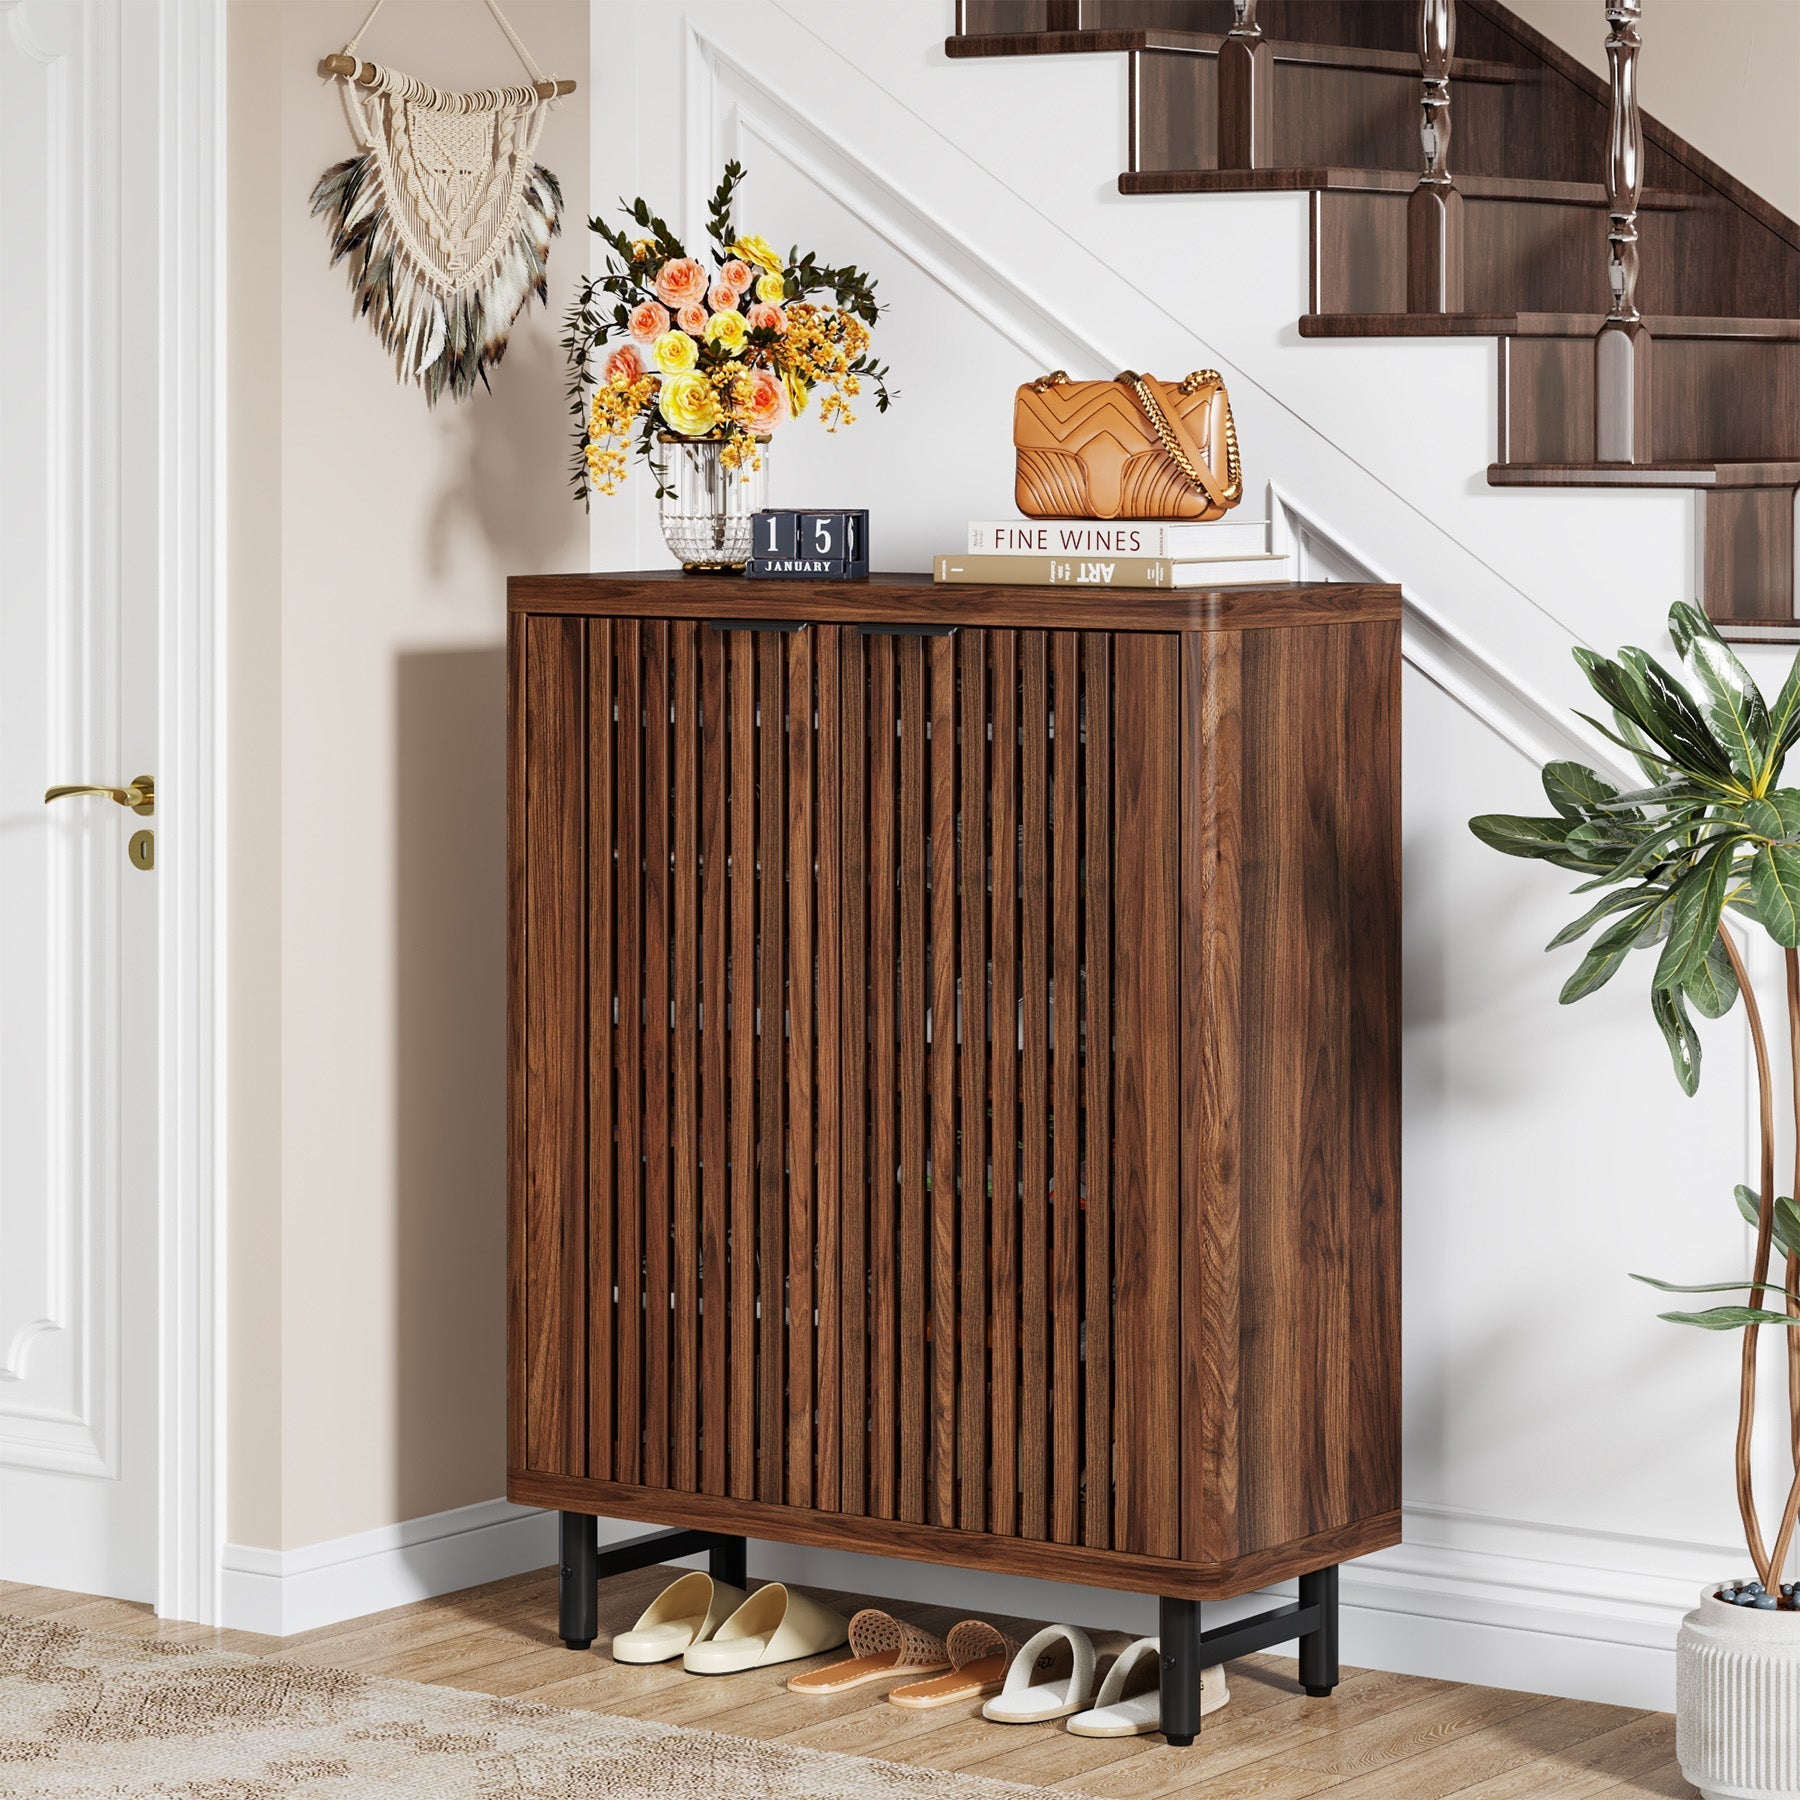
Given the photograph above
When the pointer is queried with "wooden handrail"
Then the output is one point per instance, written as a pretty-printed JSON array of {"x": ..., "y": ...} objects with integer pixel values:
[
  {"x": 1434, "y": 218},
  {"x": 1622, "y": 349},
  {"x": 1245, "y": 90}
]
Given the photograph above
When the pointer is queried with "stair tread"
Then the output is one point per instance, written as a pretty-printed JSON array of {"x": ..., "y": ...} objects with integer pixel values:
[
  {"x": 1393, "y": 181},
  {"x": 1537, "y": 324},
  {"x": 1206, "y": 43},
  {"x": 1721, "y": 474}
]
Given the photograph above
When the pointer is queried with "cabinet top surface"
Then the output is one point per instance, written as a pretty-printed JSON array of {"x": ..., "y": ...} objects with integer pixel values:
[{"x": 919, "y": 602}]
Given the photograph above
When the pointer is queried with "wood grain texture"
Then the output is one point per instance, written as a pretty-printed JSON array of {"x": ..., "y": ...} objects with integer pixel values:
[
  {"x": 972, "y": 1055},
  {"x": 828, "y": 1001},
  {"x": 800, "y": 1075},
  {"x": 628, "y": 1263},
  {"x": 715, "y": 1006},
  {"x": 1107, "y": 860},
  {"x": 652, "y": 1125},
  {"x": 518, "y": 1093},
  {"x": 601, "y": 1047},
  {"x": 771, "y": 1067},
  {"x": 684, "y": 1063},
  {"x": 743, "y": 1119},
  {"x": 852, "y": 1050},
  {"x": 896, "y": 1338},
  {"x": 941, "y": 1491}
]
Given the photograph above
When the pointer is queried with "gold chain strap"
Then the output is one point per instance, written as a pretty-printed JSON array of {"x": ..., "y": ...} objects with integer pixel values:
[{"x": 1159, "y": 423}]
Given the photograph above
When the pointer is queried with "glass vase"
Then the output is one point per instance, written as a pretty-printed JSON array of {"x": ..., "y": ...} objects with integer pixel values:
[{"x": 706, "y": 508}]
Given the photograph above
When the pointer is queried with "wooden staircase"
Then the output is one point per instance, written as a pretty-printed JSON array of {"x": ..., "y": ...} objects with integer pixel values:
[{"x": 1469, "y": 178}]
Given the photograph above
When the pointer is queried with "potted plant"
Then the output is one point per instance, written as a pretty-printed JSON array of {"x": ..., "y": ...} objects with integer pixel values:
[
  {"x": 708, "y": 360},
  {"x": 1711, "y": 835}
]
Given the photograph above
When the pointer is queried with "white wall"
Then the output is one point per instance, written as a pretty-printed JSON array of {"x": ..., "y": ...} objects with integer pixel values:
[{"x": 1568, "y": 1477}]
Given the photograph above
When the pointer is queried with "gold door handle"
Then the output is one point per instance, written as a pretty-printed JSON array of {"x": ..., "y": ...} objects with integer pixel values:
[{"x": 140, "y": 796}]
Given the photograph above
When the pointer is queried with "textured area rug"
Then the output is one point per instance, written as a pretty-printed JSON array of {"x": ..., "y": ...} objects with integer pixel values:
[{"x": 124, "y": 1719}]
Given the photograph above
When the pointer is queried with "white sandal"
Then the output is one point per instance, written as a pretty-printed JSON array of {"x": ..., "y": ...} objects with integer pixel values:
[
  {"x": 1130, "y": 1698},
  {"x": 775, "y": 1625},
  {"x": 1051, "y": 1677},
  {"x": 688, "y": 1611}
]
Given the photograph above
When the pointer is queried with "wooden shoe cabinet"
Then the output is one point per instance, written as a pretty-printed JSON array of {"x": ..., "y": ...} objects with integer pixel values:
[{"x": 954, "y": 1081}]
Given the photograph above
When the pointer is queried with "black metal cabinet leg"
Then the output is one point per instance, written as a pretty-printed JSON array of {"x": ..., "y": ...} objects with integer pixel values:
[
  {"x": 726, "y": 1561},
  {"x": 1319, "y": 1648},
  {"x": 1178, "y": 1632},
  {"x": 578, "y": 1592}
]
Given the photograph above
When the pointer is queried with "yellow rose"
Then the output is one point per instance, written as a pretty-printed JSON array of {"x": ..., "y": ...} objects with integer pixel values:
[
  {"x": 772, "y": 288},
  {"x": 673, "y": 352},
  {"x": 759, "y": 251},
  {"x": 796, "y": 392},
  {"x": 727, "y": 330},
  {"x": 689, "y": 404}
]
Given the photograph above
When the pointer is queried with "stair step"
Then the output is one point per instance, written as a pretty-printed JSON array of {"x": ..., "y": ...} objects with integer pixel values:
[
  {"x": 1537, "y": 324},
  {"x": 1206, "y": 43},
  {"x": 1646, "y": 475}
]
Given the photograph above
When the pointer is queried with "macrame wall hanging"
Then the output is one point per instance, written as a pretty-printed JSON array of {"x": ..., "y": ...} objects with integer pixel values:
[{"x": 444, "y": 214}]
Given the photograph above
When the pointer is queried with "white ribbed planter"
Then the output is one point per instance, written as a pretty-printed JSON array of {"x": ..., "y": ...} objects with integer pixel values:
[{"x": 1737, "y": 1701}]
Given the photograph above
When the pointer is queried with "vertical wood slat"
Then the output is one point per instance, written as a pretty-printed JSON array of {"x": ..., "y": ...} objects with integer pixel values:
[
  {"x": 1003, "y": 1054},
  {"x": 829, "y": 1122},
  {"x": 972, "y": 849},
  {"x": 1143, "y": 1316},
  {"x": 800, "y": 1172},
  {"x": 742, "y": 1116},
  {"x": 684, "y": 998},
  {"x": 628, "y": 1184},
  {"x": 771, "y": 1143},
  {"x": 888, "y": 1352},
  {"x": 941, "y": 1497},
  {"x": 518, "y": 1090},
  {"x": 1097, "y": 902},
  {"x": 555, "y": 846},
  {"x": 656, "y": 928},
  {"x": 1034, "y": 1087},
  {"x": 601, "y": 1050},
  {"x": 853, "y": 1195},
  {"x": 914, "y": 1120},
  {"x": 715, "y": 1216},
  {"x": 1065, "y": 1072}
]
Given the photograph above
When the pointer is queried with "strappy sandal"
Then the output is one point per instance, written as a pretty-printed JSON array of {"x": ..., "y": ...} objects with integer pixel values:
[
  {"x": 979, "y": 1656},
  {"x": 880, "y": 1646},
  {"x": 1129, "y": 1703},
  {"x": 688, "y": 1611},
  {"x": 1051, "y": 1677},
  {"x": 775, "y": 1625}
]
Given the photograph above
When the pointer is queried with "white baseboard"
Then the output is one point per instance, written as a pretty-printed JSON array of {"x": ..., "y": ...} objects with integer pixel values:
[{"x": 1584, "y": 1615}]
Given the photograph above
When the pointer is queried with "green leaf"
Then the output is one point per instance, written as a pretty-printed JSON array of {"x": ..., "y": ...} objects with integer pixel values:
[
  {"x": 1639, "y": 746},
  {"x": 1575, "y": 790},
  {"x": 1785, "y": 1235},
  {"x": 1675, "y": 721},
  {"x": 1784, "y": 722},
  {"x": 1775, "y": 883},
  {"x": 1513, "y": 835},
  {"x": 1713, "y": 987},
  {"x": 1715, "y": 1287},
  {"x": 1699, "y": 898},
  {"x": 1683, "y": 1040},
  {"x": 1728, "y": 1318},
  {"x": 1602, "y": 961},
  {"x": 1602, "y": 908},
  {"x": 1734, "y": 704},
  {"x": 1776, "y": 815}
]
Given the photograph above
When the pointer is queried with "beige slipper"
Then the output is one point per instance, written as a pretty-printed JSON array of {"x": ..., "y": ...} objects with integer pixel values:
[
  {"x": 1129, "y": 1703},
  {"x": 686, "y": 1612},
  {"x": 979, "y": 1656},
  {"x": 775, "y": 1625},
  {"x": 880, "y": 1646}
]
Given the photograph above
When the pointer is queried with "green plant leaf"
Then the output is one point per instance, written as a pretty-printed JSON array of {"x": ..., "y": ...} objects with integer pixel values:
[
  {"x": 1784, "y": 721},
  {"x": 1735, "y": 707},
  {"x": 1602, "y": 908},
  {"x": 1514, "y": 835},
  {"x": 1634, "y": 740},
  {"x": 1575, "y": 790},
  {"x": 1728, "y": 1318},
  {"x": 1675, "y": 720},
  {"x": 1785, "y": 1235},
  {"x": 1678, "y": 1031},
  {"x": 1775, "y": 883},
  {"x": 1606, "y": 953},
  {"x": 1776, "y": 815},
  {"x": 1713, "y": 986},
  {"x": 1699, "y": 898},
  {"x": 1716, "y": 1287}
]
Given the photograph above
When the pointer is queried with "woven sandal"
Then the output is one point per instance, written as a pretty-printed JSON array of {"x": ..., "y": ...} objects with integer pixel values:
[
  {"x": 1051, "y": 1677},
  {"x": 880, "y": 1646},
  {"x": 979, "y": 1656}
]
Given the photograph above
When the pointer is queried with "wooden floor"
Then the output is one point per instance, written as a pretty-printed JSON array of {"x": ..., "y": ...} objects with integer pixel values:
[{"x": 1380, "y": 1737}]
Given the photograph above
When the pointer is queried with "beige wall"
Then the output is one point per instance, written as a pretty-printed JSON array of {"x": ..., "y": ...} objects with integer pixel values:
[
  {"x": 1725, "y": 74},
  {"x": 370, "y": 542}
]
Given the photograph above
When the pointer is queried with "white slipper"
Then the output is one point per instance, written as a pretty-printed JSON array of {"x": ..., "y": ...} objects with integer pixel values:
[
  {"x": 686, "y": 1612},
  {"x": 775, "y": 1625},
  {"x": 1051, "y": 1677},
  {"x": 1129, "y": 1703}
]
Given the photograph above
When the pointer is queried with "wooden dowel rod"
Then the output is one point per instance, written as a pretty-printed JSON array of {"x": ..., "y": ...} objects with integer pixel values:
[{"x": 364, "y": 75}]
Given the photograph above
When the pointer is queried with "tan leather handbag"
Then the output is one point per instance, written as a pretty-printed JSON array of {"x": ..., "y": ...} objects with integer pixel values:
[{"x": 1131, "y": 448}]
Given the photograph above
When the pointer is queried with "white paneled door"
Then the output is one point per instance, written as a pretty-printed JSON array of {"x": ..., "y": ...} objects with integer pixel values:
[{"x": 78, "y": 928}]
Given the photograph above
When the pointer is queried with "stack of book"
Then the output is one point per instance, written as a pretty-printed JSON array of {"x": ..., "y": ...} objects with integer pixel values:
[{"x": 1145, "y": 553}]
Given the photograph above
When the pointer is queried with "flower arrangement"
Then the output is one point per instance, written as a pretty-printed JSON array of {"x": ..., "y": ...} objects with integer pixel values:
[{"x": 729, "y": 352}]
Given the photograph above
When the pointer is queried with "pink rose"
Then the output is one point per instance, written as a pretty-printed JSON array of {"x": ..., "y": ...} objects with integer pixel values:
[
  {"x": 692, "y": 319},
  {"x": 765, "y": 317},
  {"x": 648, "y": 321},
  {"x": 722, "y": 298},
  {"x": 768, "y": 402},
  {"x": 623, "y": 364},
  {"x": 737, "y": 275},
  {"x": 681, "y": 282}
]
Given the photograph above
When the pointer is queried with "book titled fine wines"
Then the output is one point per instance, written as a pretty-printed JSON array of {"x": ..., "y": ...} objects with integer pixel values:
[
  {"x": 1118, "y": 537},
  {"x": 1112, "y": 571}
]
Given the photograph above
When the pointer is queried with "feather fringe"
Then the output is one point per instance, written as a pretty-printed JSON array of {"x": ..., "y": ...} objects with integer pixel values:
[{"x": 444, "y": 342}]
